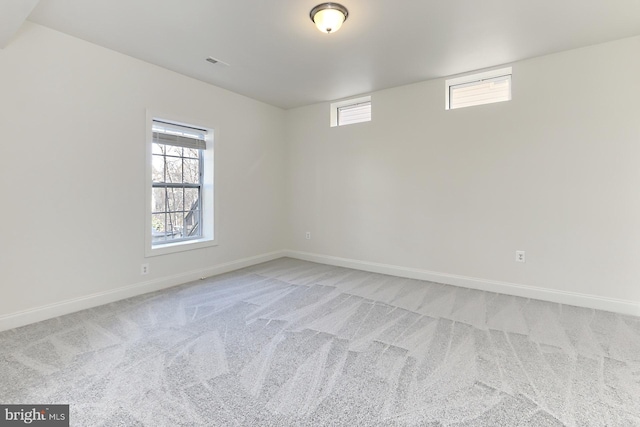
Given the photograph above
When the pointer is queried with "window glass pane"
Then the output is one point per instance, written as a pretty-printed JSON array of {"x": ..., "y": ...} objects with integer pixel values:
[
  {"x": 484, "y": 87},
  {"x": 481, "y": 92},
  {"x": 175, "y": 199},
  {"x": 172, "y": 150},
  {"x": 191, "y": 171},
  {"x": 192, "y": 153},
  {"x": 174, "y": 225},
  {"x": 158, "y": 227},
  {"x": 192, "y": 223},
  {"x": 157, "y": 148},
  {"x": 191, "y": 198},
  {"x": 157, "y": 169},
  {"x": 357, "y": 113},
  {"x": 174, "y": 170},
  {"x": 158, "y": 200}
]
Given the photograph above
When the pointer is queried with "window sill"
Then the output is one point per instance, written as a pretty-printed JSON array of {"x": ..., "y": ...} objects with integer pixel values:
[{"x": 169, "y": 248}]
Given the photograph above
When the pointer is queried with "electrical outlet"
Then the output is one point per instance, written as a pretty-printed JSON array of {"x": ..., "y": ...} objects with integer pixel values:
[
  {"x": 144, "y": 269},
  {"x": 520, "y": 256},
  {"x": 308, "y": 235}
]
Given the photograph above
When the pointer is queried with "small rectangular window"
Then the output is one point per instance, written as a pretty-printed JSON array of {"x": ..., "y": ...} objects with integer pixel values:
[
  {"x": 479, "y": 88},
  {"x": 351, "y": 111},
  {"x": 355, "y": 113}
]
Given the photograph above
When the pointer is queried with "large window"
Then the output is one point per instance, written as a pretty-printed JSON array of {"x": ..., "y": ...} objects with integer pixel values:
[
  {"x": 177, "y": 182},
  {"x": 181, "y": 187}
]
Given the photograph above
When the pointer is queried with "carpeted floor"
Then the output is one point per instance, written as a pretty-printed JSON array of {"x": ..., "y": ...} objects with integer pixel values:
[{"x": 293, "y": 343}]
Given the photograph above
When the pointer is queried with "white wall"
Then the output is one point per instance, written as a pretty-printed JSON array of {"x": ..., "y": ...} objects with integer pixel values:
[
  {"x": 72, "y": 129},
  {"x": 554, "y": 172}
]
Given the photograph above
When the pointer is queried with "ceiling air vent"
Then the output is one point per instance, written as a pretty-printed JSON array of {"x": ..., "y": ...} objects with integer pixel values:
[{"x": 216, "y": 61}]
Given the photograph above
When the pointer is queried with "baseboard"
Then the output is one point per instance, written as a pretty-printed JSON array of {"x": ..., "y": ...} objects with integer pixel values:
[
  {"x": 545, "y": 294},
  {"x": 37, "y": 314}
]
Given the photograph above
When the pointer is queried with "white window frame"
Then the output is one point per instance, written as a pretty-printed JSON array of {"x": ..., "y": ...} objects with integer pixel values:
[
  {"x": 335, "y": 106},
  {"x": 209, "y": 214},
  {"x": 476, "y": 77}
]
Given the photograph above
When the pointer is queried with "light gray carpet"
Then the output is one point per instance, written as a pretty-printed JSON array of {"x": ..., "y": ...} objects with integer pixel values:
[{"x": 302, "y": 344}]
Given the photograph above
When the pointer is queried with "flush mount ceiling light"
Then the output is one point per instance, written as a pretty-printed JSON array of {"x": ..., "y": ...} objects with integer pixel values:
[{"x": 329, "y": 17}]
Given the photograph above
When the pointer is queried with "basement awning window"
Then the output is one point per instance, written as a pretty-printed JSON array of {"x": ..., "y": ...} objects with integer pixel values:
[
  {"x": 478, "y": 89},
  {"x": 351, "y": 111}
]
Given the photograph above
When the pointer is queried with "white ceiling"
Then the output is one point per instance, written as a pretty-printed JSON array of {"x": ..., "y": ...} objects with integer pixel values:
[
  {"x": 276, "y": 54},
  {"x": 12, "y": 15}
]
